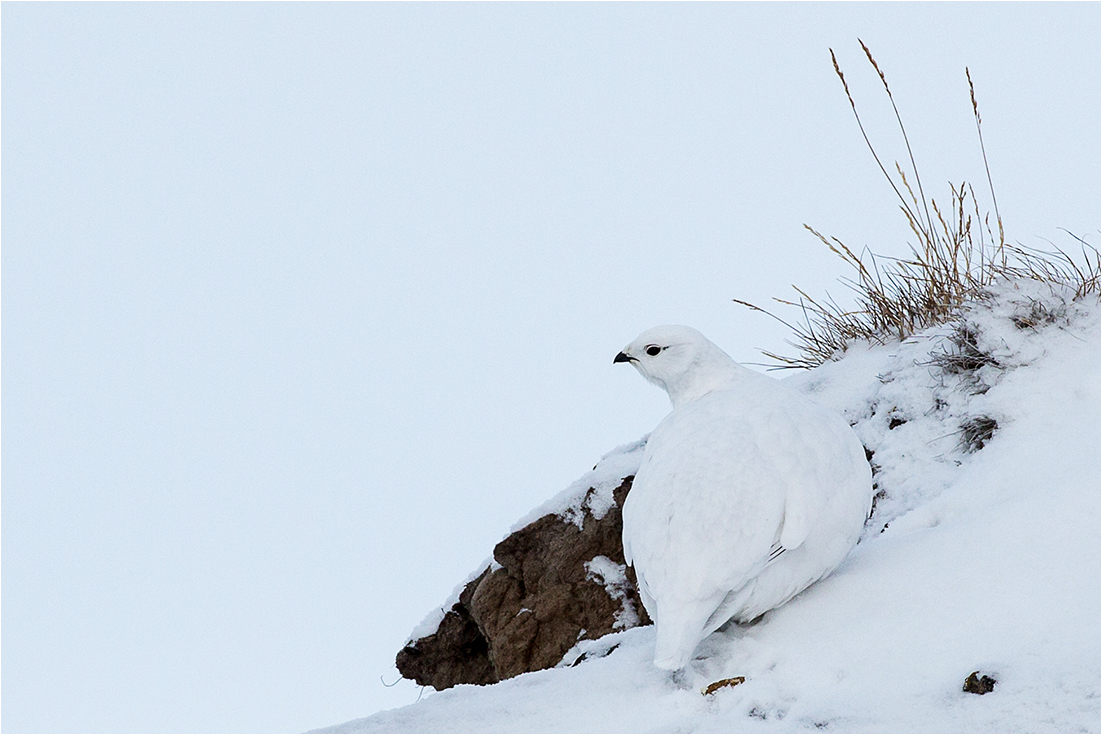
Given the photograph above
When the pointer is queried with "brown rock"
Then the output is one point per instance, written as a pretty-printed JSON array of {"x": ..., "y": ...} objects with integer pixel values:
[{"x": 527, "y": 613}]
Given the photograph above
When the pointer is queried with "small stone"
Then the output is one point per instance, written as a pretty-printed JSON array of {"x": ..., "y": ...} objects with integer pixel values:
[
  {"x": 716, "y": 686},
  {"x": 976, "y": 684}
]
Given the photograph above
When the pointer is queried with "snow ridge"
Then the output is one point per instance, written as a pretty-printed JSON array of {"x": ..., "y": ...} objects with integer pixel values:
[{"x": 593, "y": 490}]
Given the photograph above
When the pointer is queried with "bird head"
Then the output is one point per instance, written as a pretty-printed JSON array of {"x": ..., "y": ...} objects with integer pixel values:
[{"x": 681, "y": 361}]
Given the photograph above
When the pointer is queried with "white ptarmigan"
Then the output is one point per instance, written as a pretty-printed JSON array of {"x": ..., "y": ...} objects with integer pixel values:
[{"x": 747, "y": 492}]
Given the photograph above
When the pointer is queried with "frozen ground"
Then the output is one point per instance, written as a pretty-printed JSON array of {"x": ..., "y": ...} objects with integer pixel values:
[{"x": 975, "y": 558}]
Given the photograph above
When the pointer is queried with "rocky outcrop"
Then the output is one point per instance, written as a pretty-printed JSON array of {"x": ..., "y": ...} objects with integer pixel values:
[
  {"x": 557, "y": 580},
  {"x": 457, "y": 653}
]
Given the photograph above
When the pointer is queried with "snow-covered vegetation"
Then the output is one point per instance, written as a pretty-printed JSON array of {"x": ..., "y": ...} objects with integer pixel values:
[{"x": 982, "y": 554}]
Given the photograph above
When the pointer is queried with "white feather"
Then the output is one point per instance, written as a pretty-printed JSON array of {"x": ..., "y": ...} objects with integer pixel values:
[{"x": 747, "y": 493}]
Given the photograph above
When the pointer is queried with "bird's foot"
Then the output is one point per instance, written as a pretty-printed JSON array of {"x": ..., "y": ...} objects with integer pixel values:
[{"x": 681, "y": 678}]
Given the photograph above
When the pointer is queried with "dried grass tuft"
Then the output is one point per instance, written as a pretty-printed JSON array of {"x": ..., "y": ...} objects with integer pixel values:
[
  {"x": 965, "y": 356},
  {"x": 956, "y": 257},
  {"x": 1040, "y": 314},
  {"x": 975, "y": 433}
]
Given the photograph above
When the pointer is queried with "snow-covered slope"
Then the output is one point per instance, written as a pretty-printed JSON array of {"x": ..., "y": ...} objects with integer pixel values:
[{"x": 976, "y": 558}]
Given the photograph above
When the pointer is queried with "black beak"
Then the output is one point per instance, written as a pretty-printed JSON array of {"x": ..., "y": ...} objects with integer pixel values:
[{"x": 621, "y": 357}]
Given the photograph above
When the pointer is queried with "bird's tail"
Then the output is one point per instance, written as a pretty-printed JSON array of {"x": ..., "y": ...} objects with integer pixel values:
[{"x": 679, "y": 628}]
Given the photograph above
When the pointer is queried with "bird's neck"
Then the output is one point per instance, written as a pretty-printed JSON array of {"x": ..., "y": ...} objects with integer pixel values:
[{"x": 713, "y": 371}]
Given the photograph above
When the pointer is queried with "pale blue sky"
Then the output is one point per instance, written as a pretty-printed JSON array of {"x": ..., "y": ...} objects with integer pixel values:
[{"x": 305, "y": 304}]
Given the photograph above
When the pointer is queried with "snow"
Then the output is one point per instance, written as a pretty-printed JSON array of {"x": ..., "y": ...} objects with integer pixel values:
[
  {"x": 613, "y": 577},
  {"x": 432, "y": 621},
  {"x": 593, "y": 490},
  {"x": 982, "y": 560}
]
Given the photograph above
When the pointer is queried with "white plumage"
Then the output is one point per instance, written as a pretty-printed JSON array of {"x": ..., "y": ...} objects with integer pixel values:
[{"x": 747, "y": 492}]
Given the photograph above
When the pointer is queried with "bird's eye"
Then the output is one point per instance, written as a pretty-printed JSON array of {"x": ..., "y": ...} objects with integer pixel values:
[{"x": 653, "y": 350}]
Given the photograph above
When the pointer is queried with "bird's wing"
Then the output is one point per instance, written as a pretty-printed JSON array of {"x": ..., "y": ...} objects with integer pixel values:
[
  {"x": 817, "y": 472},
  {"x": 703, "y": 512},
  {"x": 727, "y": 483}
]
